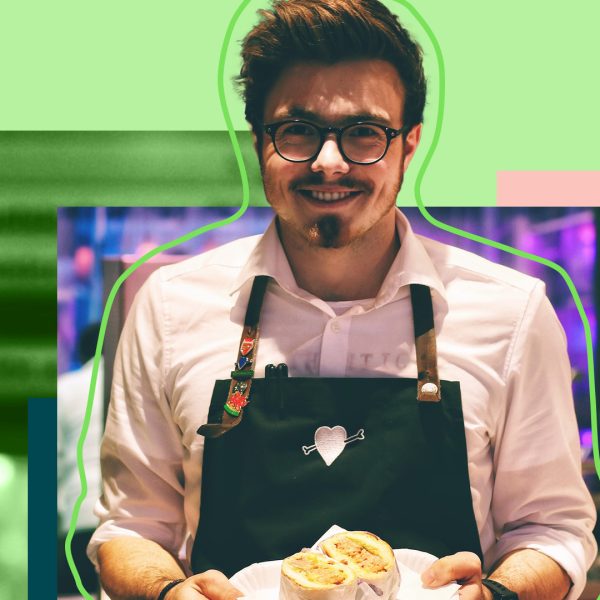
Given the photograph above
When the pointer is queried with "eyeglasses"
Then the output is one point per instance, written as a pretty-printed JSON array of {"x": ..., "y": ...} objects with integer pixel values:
[{"x": 361, "y": 143}]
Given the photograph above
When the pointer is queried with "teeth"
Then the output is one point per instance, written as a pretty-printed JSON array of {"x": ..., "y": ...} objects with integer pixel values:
[{"x": 329, "y": 195}]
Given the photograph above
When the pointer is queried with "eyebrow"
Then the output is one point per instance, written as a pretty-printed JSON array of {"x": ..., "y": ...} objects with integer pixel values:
[{"x": 297, "y": 112}]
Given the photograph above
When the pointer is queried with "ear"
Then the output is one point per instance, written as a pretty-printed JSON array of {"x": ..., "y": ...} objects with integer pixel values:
[{"x": 411, "y": 143}]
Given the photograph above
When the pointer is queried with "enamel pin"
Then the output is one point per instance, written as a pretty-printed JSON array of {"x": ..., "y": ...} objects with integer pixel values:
[
  {"x": 235, "y": 403},
  {"x": 246, "y": 346},
  {"x": 242, "y": 362},
  {"x": 240, "y": 386}
]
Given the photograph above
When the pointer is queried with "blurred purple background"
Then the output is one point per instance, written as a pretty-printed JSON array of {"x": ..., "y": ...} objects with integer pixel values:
[{"x": 564, "y": 235}]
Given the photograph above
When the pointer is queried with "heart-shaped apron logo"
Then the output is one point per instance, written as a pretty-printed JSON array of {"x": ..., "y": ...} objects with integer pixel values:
[{"x": 331, "y": 441}]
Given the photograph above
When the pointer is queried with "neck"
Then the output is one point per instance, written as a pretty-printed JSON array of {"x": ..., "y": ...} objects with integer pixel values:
[{"x": 352, "y": 272}]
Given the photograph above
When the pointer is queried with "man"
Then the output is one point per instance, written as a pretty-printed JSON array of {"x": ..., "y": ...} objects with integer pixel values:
[{"x": 467, "y": 449}]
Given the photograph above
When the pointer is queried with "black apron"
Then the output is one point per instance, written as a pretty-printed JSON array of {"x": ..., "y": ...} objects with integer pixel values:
[{"x": 384, "y": 455}]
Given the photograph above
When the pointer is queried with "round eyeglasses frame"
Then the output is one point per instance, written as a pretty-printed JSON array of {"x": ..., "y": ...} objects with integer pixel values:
[{"x": 390, "y": 134}]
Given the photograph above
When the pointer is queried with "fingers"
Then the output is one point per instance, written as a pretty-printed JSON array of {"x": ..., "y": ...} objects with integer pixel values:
[
  {"x": 215, "y": 586},
  {"x": 463, "y": 567}
]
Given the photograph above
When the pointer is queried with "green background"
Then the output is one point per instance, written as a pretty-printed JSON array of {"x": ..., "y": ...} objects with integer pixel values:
[
  {"x": 522, "y": 93},
  {"x": 522, "y": 85}
]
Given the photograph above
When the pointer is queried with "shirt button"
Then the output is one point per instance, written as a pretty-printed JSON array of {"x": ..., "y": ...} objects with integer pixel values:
[{"x": 335, "y": 326}]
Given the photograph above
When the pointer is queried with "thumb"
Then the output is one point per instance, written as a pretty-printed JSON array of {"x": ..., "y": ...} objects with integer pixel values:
[
  {"x": 463, "y": 567},
  {"x": 215, "y": 586}
]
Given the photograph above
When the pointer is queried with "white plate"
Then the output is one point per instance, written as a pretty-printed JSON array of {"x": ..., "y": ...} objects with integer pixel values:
[{"x": 260, "y": 581}]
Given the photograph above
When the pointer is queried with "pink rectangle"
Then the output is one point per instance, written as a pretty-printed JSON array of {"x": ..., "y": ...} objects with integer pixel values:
[{"x": 548, "y": 188}]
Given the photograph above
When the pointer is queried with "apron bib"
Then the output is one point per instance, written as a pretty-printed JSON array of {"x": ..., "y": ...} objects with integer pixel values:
[{"x": 385, "y": 455}]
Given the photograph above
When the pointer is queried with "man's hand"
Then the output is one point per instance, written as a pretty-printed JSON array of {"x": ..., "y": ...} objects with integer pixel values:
[
  {"x": 212, "y": 585},
  {"x": 138, "y": 569},
  {"x": 529, "y": 573},
  {"x": 462, "y": 567}
]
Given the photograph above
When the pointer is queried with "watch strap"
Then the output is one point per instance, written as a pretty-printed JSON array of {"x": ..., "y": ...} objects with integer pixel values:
[{"x": 498, "y": 590}]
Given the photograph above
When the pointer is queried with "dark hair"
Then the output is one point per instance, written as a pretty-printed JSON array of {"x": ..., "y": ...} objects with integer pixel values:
[{"x": 327, "y": 31}]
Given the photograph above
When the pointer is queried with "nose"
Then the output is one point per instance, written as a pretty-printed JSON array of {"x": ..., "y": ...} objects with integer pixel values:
[{"x": 330, "y": 161}]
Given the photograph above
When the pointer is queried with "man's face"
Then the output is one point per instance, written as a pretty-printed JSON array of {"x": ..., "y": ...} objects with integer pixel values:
[{"x": 329, "y": 201}]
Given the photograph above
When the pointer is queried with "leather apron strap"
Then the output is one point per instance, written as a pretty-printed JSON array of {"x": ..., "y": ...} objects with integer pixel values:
[
  {"x": 241, "y": 376},
  {"x": 428, "y": 385}
]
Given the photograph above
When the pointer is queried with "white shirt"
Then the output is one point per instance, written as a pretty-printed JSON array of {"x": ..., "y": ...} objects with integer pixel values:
[{"x": 496, "y": 333}]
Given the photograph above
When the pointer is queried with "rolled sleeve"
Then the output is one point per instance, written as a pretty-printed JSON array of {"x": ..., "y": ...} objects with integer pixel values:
[
  {"x": 141, "y": 451},
  {"x": 540, "y": 500}
]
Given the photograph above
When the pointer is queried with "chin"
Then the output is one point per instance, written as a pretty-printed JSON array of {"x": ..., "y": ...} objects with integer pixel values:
[{"x": 329, "y": 232}]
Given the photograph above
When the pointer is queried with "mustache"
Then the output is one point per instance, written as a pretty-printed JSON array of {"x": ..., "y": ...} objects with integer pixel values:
[{"x": 318, "y": 179}]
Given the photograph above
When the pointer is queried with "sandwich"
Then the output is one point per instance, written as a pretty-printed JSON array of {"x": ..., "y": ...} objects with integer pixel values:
[
  {"x": 370, "y": 558},
  {"x": 315, "y": 576}
]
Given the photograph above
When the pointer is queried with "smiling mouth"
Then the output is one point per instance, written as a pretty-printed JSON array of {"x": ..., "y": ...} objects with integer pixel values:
[{"x": 328, "y": 196}]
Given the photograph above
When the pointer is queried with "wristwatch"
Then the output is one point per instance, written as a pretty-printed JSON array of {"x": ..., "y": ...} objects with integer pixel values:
[{"x": 499, "y": 592}]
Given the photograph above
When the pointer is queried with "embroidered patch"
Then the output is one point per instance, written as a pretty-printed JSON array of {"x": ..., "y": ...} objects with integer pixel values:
[{"x": 331, "y": 441}]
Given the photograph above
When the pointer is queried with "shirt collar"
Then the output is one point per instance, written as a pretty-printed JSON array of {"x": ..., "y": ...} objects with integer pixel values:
[
  {"x": 411, "y": 265},
  {"x": 268, "y": 258}
]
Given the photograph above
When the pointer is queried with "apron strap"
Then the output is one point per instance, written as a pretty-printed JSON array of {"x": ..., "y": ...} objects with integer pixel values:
[
  {"x": 428, "y": 384},
  {"x": 241, "y": 376}
]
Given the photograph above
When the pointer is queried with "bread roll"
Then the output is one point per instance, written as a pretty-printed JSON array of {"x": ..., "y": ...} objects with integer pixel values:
[
  {"x": 314, "y": 576},
  {"x": 371, "y": 559}
]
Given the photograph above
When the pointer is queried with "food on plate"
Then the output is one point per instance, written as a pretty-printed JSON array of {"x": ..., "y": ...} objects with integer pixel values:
[
  {"x": 315, "y": 576},
  {"x": 371, "y": 559}
]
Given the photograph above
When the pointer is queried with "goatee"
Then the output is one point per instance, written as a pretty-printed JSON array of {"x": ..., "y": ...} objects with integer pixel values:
[{"x": 325, "y": 232}]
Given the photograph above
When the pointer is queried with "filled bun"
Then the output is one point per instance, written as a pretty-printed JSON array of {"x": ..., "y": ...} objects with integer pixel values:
[
  {"x": 315, "y": 576},
  {"x": 371, "y": 559}
]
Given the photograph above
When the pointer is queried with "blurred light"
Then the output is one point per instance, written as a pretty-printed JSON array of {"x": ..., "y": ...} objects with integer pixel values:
[
  {"x": 144, "y": 248},
  {"x": 585, "y": 437},
  {"x": 587, "y": 233},
  {"x": 530, "y": 243},
  {"x": 83, "y": 261},
  {"x": 7, "y": 471}
]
